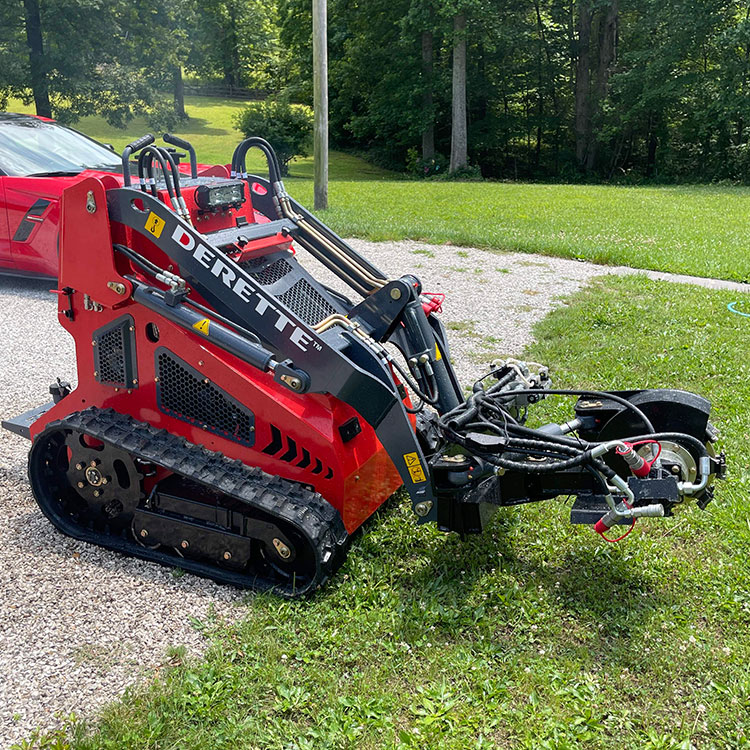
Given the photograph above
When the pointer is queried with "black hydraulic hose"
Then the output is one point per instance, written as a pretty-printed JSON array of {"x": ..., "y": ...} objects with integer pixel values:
[
  {"x": 131, "y": 148},
  {"x": 238, "y": 158},
  {"x": 173, "y": 168},
  {"x": 147, "y": 182},
  {"x": 173, "y": 140},
  {"x": 597, "y": 394},
  {"x": 149, "y": 154},
  {"x": 562, "y": 439},
  {"x": 410, "y": 382},
  {"x": 144, "y": 263},
  {"x": 528, "y": 468}
]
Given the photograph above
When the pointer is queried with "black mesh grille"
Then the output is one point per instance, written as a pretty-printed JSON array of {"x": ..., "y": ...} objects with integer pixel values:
[
  {"x": 306, "y": 302},
  {"x": 268, "y": 275},
  {"x": 184, "y": 394},
  {"x": 112, "y": 357},
  {"x": 114, "y": 354}
]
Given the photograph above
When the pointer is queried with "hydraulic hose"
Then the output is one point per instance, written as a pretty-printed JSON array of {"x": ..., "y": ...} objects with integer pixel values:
[
  {"x": 355, "y": 274},
  {"x": 130, "y": 149},
  {"x": 145, "y": 162},
  {"x": 597, "y": 394},
  {"x": 238, "y": 158},
  {"x": 181, "y": 206}
]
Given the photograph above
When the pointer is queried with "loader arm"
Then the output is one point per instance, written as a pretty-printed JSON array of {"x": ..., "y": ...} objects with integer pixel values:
[{"x": 334, "y": 362}]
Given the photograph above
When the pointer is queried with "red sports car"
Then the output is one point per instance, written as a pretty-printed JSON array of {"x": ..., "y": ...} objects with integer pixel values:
[{"x": 39, "y": 158}]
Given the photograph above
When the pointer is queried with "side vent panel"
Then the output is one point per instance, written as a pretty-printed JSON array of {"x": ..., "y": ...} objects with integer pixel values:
[
  {"x": 184, "y": 393},
  {"x": 286, "y": 449},
  {"x": 115, "y": 355}
]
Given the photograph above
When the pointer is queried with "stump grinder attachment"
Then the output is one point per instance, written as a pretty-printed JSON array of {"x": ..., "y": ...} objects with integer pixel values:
[{"x": 237, "y": 418}]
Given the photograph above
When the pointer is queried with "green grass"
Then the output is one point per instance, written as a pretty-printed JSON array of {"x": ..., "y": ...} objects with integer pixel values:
[
  {"x": 534, "y": 635},
  {"x": 696, "y": 230}
]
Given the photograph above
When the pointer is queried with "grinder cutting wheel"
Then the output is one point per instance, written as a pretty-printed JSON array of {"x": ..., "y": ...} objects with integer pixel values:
[{"x": 239, "y": 419}]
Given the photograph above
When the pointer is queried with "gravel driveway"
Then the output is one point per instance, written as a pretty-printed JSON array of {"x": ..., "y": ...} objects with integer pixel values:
[{"x": 77, "y": 625}]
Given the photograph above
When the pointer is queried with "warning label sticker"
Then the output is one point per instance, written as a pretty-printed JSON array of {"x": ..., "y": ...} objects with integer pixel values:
[
  {"x": 415, "y": 467},
  {"x": 154, "y": 225},
  {"x": 202, "y": 326}
]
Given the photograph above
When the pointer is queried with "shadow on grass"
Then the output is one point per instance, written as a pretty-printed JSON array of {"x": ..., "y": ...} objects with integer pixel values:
[
  {"x": 199, "y": 126},
  {"x": 590, "y": 598}
]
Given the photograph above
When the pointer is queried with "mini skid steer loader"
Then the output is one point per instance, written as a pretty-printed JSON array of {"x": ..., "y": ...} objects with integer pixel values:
[{"x": 239, "y": 419}]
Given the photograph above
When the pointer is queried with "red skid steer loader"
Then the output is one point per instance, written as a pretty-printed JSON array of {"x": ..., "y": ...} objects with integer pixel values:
[{"x": 238, "y": 418}]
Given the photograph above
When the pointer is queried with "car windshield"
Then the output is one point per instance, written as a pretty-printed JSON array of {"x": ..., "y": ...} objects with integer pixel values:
[{"x": 31, "y": 146}]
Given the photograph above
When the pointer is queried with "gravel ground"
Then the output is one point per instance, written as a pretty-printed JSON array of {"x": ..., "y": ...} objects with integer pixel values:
[{"x": 77, "y": 625}]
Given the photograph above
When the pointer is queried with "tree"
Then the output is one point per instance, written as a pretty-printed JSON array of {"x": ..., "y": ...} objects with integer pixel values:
[
  {"x": 459, "y": 146},
  {"x": 37, "y": 67},
  {"x": 428, "y": 122},
  {"x": 109, "y": 57}
]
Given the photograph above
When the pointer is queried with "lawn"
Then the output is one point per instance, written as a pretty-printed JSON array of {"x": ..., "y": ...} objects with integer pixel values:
[
  {"x": 535, "y": 635},
  {"x": 695, "y": 230}
]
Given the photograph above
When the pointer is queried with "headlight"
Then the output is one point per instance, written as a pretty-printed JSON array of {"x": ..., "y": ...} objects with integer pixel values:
[{"x": 220, "y": 196}]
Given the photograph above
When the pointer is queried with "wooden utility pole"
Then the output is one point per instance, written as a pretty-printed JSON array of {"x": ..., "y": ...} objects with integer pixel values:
[{"x": 320, "y": 102}]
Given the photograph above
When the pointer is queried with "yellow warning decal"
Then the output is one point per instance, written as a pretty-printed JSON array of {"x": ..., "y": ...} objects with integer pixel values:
[
  {"x": 202, "y": 326},
  {"x": 154, "y": 225},
  {"x": 415, "y": 468},
  {"x": 438, "y": 353}
]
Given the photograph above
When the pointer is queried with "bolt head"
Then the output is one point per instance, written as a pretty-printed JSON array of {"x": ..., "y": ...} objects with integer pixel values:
[
  {"x": 81, "y": 485},
  {"x": 184, "y": 544},
  {"x": 395, "y": 293},
  {"x": 144, "y": 533},
  {"x": 227, "y": 555},
  {"x": 80, "y": 466},
  {"x": 423, "y": 508}
]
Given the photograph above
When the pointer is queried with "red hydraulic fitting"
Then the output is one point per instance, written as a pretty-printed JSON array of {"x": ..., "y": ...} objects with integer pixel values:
[
  {"x": 606, "y": 522},
  {"x": 638, "y": 465},
  {"x": 432, "y": 302}
]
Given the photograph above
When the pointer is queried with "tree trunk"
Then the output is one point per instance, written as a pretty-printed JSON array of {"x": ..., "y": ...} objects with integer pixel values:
[
  {"x": 459, "y": 148},
  {"x": 583, "y": 83},
  {"x": 428, "y": 116},
  {"x": 179, "y": 93},
  {"x": 35, "y": 44},
  {"x": 653, "y": 142},
  {"x": 607, "y": 56}
]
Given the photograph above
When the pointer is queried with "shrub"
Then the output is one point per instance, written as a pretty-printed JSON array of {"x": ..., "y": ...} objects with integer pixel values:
[
  {"x": 420, "y": 167},
  {"x": 469, "y": 173},
  {"x": 287, "y": 127}
]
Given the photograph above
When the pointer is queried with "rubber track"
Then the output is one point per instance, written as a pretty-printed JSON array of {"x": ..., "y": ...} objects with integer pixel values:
[{"x": 314, "y": 518}]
